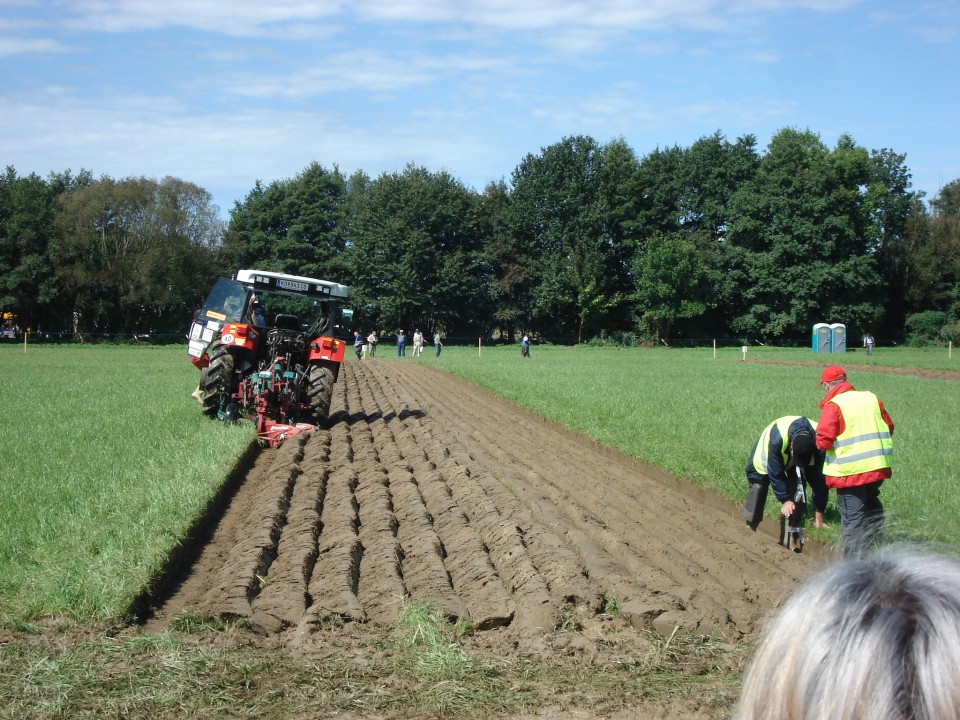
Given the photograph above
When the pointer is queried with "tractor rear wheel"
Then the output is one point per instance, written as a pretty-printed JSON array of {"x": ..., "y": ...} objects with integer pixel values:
[
  {"x": 216, "y": 380},
  {"x": 319, "y": 390}
]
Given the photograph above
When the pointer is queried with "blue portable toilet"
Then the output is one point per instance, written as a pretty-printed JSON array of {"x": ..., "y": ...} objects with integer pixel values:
[
  {"x": 821, "y": 338},
  {"x": 838, "y": 338}
]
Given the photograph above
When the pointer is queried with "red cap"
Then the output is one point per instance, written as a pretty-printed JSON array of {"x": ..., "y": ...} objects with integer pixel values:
[{"x": 831, "y": 373}]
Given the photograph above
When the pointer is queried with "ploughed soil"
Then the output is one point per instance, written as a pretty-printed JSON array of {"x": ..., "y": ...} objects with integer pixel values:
[
  {"x": 423, "y": 487},
  {"x": 882, "y": 369}
]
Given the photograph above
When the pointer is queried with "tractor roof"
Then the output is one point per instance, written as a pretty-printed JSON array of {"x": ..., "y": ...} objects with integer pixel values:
[{"x": 292, "y": 285}]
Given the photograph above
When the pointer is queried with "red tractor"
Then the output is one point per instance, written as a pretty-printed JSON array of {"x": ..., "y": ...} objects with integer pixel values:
[{"x": 266, "y": 346}]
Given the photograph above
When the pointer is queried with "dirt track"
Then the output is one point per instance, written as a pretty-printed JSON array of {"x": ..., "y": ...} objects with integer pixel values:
[{"x": 427, "y": 488}]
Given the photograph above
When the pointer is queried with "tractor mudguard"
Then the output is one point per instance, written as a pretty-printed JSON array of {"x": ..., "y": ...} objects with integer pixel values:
[{"x": 327, "y": 348}]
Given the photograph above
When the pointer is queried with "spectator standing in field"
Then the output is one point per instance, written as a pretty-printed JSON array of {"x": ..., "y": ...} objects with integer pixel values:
[
  {"x": 401, "y": 344},
  {"x": 783, "y": 445},
  {"x": 868, "y": 343},
  {"x": 358, "y": 344},
  {"x": 856, "y": 432},
  {"x": 372, "y": 341},
  {"x": 867, "y": 639},
  {"x": 417, "y": 342},
  {"x": 525, "y": 347},
  {"x": 437, "y": 343}
]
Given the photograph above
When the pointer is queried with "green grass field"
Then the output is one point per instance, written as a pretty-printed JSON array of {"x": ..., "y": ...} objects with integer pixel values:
[{"x": 106, "y": 460}]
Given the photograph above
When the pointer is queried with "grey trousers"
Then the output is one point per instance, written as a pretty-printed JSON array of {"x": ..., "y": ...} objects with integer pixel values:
[{"x": 861, "y": 517}]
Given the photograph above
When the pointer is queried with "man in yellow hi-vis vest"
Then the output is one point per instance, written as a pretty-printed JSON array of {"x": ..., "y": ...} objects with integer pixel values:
[
  {"x": 783, "y": 445},
  {"x": 856, "y": 432}
]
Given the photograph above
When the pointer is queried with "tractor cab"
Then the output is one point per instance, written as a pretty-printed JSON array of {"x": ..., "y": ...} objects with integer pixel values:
[{"x": 225, "y": 304}]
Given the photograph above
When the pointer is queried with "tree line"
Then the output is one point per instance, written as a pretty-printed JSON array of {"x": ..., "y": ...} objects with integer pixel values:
[{"x": 586, "y": 241}]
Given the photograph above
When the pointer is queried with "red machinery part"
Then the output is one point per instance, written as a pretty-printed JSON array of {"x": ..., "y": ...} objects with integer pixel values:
[
  {"x": 327, "y": 348},
  {"x": 275, "y": 433}
]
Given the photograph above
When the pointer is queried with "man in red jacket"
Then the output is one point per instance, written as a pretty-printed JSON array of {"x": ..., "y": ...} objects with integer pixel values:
[{"x": 856, "y": 432}]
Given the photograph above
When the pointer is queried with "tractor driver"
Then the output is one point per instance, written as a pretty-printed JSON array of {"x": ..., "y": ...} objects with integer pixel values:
[
  {"x": 257, "y": 315},
  {"x": 785, "y": 444}
]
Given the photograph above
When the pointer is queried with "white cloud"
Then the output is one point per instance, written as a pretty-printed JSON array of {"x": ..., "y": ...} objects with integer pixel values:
[
  {"x": 366, "y": 71},
  {"x": 10, "y": 46},
  {"x": 123, "y": 136},
  {"x": 256, "y": 17},
  {"x": 227, "y": 17},
  {"x": 617, "y": 15},
  {"x": 544, "y": 14},
  {"x": 933, "y": 22},
  {"x": 764, "y": 57},
  {"x": 630, "y": 111}
]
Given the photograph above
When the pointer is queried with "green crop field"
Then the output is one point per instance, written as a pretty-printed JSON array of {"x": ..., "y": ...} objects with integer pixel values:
[{"x": 106, "y": 460}]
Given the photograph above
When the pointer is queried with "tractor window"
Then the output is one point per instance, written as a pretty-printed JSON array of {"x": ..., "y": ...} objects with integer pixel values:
[
  {"x": 225, "y": 302},
  {"x": 275, "y": 305},
  {"x": 343, "y": 322},
  {"x": 313, "y": 315},
  {"x": 321, "y": 317}
]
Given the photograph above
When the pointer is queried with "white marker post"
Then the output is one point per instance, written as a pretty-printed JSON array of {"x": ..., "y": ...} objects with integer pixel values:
[{"x": 744, "y": 351}]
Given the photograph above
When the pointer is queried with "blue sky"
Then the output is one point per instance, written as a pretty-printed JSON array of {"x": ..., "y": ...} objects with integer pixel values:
[{"x": 225, "y": 92}]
